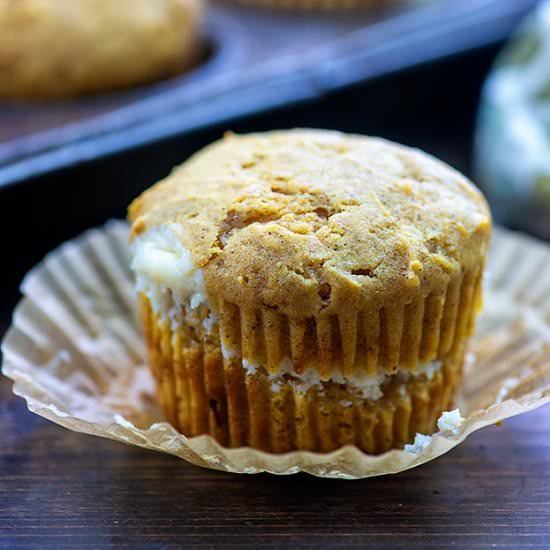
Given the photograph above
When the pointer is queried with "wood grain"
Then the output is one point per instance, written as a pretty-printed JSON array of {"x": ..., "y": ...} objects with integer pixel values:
[{"x": 61, "y": 489}]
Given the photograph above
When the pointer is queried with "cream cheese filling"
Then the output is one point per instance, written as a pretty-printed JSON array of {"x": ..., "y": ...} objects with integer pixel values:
[
  {"x": 367, "y": 386},
  {"x": 165, "y": 273},
  {"x": 449, "y": 423}
]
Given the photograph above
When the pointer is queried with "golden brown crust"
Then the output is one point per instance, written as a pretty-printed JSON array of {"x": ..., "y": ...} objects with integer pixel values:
[
  {"x": 60, "y": 48},
  {"x": 202, "y": 392},
  {"x": 315, "y": 223}
]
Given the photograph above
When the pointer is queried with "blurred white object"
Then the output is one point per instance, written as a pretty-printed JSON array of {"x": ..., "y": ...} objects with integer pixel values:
[{"x": 512, "y": 149}]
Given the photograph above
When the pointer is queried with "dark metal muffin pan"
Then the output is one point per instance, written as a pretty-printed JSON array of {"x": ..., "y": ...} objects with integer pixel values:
[{"x": 256, "y": 60}]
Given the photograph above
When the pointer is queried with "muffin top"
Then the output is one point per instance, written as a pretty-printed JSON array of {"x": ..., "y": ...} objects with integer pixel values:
[
  {"x": 310, "y": 221},
  {"x": 63, "y": 48}
]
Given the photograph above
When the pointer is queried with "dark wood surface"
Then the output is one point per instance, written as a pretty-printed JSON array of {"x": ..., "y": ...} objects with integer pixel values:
[{"x": 60, "y": 489}]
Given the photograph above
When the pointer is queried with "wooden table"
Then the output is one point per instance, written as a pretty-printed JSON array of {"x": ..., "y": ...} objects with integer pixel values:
[{"x": 61, "y": 489}]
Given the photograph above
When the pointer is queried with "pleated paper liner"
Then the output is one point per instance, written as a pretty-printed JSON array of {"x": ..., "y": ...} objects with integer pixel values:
[
  {"x": 76, "y": 355},
  {"x": 369, "y": 340},
  {"x": 362, "y": 338},
  {"x": 202, "y": 392}
]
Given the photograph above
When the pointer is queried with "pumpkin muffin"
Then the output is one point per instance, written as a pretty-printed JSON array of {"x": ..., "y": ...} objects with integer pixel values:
[
  {"x": 308, "y": 289},
  {"x": 63, "y": 48}
]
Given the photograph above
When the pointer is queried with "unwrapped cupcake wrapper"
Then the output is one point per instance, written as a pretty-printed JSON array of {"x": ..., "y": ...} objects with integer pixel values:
[{"x": 76, "y": 355}]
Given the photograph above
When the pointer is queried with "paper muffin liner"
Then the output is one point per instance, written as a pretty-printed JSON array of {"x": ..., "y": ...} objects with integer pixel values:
[
  {"x": 75, "y": 354},
  {"x": 430, "y": 327},
  {"x": 202, "y": 391}
]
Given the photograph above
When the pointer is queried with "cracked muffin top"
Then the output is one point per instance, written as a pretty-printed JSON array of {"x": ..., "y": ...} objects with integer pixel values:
[{"x": 310, "y": 221}]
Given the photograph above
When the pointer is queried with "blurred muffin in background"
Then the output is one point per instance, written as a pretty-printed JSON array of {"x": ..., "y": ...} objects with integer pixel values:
[{"x": 64, "y": 48}]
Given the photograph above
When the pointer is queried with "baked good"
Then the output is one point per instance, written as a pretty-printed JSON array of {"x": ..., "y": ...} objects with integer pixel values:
[
  {"x": 63, "y": 48},
  {"x": 308, "y": 289}
]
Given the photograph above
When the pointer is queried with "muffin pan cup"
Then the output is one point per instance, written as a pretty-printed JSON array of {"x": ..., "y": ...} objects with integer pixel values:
[{"x": 253, "y": 60}]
